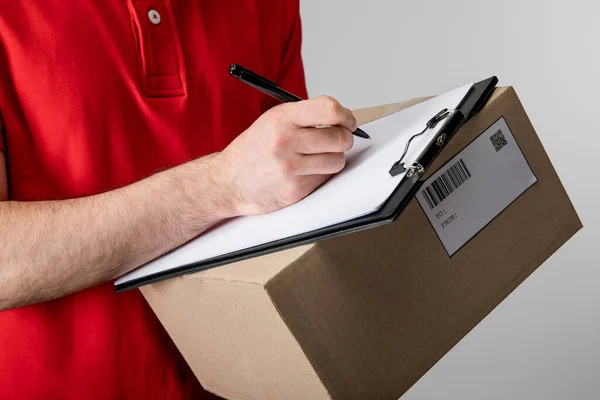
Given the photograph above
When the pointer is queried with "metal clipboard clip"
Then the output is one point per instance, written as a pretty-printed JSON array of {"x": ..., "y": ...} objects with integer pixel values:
[{"x": 399, "y": 166}]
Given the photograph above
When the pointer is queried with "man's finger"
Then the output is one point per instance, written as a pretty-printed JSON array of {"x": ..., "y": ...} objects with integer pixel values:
[
  {"x": 320, "y": 111},
  {"x": 335, "y": 139}
]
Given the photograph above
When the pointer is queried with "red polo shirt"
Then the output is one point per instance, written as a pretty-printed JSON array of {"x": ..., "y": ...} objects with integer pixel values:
[{"x": 96, "y": 95}]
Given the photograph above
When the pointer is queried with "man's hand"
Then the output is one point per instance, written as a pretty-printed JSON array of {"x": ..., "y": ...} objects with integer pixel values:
[{"x": 283, "y": 157}]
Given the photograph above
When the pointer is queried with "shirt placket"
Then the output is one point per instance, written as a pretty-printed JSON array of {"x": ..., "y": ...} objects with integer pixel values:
[{"x": 159, "y": 48}]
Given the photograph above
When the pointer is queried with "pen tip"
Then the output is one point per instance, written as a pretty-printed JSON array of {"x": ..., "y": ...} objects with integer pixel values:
[{"x": 359, "y": 132}]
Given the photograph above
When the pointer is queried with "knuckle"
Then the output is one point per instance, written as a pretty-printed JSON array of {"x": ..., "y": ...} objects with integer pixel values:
[
  {"x": 326, "y": 100},
  {"x": 288, "y": 166},
  {"x": 334, "y": 109},
  {"x": 279, "y": 142}
]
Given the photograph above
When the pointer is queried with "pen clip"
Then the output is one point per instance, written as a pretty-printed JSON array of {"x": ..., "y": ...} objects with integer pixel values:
[{"x": 399, "y": 166}]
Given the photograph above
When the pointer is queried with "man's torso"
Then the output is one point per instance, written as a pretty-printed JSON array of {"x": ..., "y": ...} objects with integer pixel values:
[{"x": 96, "y": 95}]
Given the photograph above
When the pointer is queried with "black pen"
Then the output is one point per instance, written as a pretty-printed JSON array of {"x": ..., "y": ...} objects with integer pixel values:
[{"x": 268, "y": 87}]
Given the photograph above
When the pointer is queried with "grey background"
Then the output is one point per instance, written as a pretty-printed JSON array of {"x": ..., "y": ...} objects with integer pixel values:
[{"x": 543, "y": 342}]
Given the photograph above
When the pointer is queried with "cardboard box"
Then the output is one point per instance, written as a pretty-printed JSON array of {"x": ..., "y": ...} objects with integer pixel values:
[{"x": 364, "y": 316}]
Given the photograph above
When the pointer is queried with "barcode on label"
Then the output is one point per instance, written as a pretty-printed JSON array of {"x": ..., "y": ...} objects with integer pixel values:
[{"x": 446, "y": 183}]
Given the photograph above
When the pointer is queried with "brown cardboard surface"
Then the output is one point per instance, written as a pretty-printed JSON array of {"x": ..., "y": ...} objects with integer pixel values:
[
  {"x": 364, "y": 316},
  {"x": 233, "y": 339}
]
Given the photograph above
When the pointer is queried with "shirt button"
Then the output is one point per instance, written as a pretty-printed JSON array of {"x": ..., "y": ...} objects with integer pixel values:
[{"x": 154, "y": 17}]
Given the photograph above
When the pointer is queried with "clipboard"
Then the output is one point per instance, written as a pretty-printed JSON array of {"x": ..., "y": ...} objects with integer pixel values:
[{"x": 451, "y": 120}]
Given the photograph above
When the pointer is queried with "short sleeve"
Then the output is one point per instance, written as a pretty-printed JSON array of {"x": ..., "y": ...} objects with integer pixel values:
[
  {"x": 2, "y": 141},
  {"x": 291, "y": 72},
  {"x": 2, "y": 72}
]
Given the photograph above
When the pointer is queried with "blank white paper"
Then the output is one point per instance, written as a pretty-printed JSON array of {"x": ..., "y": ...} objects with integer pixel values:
[{"x": 360, "y": 189}]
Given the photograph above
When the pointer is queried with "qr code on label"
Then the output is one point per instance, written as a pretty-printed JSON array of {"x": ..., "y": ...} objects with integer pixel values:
[{"x": 498, "y": 140}]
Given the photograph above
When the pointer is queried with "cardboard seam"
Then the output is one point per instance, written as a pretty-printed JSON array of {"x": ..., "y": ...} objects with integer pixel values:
[
  {"x": 281, "y": 271},
  {"x": 324, "y": 248},
  {"x": 213, "y": 278},
  {"x": 290, "y": 330},
  {"x": 237, "y": 395},
  {"x": 327, "y": 391},
  {"x": 265, "y": 289}
]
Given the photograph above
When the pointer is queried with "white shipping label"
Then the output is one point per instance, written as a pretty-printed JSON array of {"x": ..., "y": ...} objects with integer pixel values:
[{"x": 470, "y": 190}]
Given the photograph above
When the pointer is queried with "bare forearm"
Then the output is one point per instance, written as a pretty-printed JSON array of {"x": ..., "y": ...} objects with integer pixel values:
[
  {"x": 53, "y": 248},
  {"x": 50, "y": 249}
]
